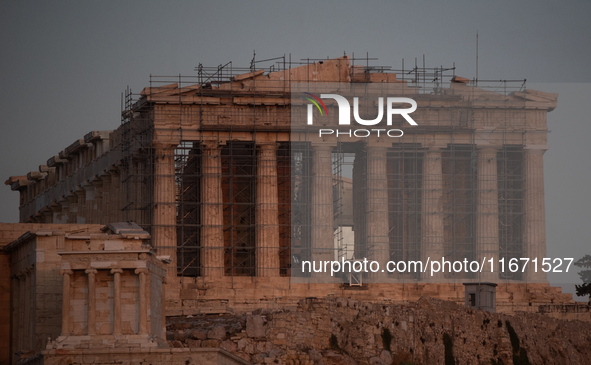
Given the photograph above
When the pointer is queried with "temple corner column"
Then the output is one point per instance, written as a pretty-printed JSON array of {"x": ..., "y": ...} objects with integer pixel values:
[{"x": 164, "y": 219}]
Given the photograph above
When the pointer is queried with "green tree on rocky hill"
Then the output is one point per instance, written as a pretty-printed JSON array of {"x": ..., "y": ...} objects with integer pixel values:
[{"x": 585, "y": 274}]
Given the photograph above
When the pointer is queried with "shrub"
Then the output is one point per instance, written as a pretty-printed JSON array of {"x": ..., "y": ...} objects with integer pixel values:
[
  {"x": 334, "y": 343},
  {"x": 386, "y": 339},
  {"x": 519, "y": 354},
  {"x": 449, "y": 349}
]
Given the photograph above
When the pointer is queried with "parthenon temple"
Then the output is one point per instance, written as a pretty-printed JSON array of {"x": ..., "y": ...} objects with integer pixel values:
[{"x": 229, "y": 199}]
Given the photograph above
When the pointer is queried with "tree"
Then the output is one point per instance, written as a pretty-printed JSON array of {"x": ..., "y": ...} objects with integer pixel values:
[{"x": 585, "y": 274}]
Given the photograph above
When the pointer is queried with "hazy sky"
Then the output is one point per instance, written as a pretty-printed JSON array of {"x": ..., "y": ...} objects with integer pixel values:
[{"x": 64, "y": 64}]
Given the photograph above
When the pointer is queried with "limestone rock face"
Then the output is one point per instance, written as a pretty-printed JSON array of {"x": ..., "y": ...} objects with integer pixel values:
[
  {"x": 386, "y": 357},
  {"x": 217, "y": 333},
  {"x": 198, "y": 334},
  {"x": 340, "y": 331},
  {"x": 255, "y": 326}
]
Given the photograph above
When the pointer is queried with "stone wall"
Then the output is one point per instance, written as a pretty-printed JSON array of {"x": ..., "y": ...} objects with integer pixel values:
[
  {"x": 579, "y": 311},
  {"x": 4, "y": 308},
  {"x": 346, "y": 331},
  {"x": 246, "y": 294},
  {"x": 201, "y": 356},
  {"x": 46, "y": 309}
]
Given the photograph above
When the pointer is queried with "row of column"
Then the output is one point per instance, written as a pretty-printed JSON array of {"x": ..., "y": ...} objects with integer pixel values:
[
  {"x": 267, "y": 211},
  {"x": 95, "y": 202},
  {"x": 487, "y": 213},
  {"x": 267, "y": 229},
  {"x": 432, "y": 225},
  {"x": 144, "y": 299}
]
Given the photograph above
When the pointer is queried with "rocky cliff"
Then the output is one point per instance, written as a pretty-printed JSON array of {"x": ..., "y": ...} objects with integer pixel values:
[{"x": 345, "y": 331}]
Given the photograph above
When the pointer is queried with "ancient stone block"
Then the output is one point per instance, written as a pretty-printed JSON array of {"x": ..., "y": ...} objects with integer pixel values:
[
  {"x": 198, "y": 334},
  {"x": 255, "y": 326},
  {"x": 210, "y": 343},
  {"x": 217, "y": 333},
  {"x": 193, "y": 343}
]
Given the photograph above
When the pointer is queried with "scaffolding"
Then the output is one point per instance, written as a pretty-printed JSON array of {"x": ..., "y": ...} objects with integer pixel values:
[{"x": 240, "y": 117}]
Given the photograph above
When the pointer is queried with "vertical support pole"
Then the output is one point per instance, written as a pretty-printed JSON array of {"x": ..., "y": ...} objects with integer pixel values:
[
  {"x": 67, "y": 275},
  {"x": 91, "y": 301},
  {"x": 432, "y": 210},
  {"x": 487, "y": 211},
  {"x": 322, "y": 215},
  {"x": 144, "y": 299},
  {"x": 116, "y": 300},
  {"x": 212, "y": 234},
  {"x": 267, "y": 211}
]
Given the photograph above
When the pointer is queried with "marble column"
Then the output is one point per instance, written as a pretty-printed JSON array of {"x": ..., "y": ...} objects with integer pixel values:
[
  {"x": 91, "y": 322},
  {"x": 267, "y": 211},
  {"x": 378, "y": 241},
  {"x": 81, "y": 215},
  {"x": 144, "y": 295},
  {"x": 487, "y": 212},
  {"x": 27, "y": 304},
  {"x": 106, "y": 199},
  {"x": 56, "y": 212},
  {"x": 164, "y": 227},
  {"x": 22, "y": 312},
  {"x": 116, "y": 198},
  {"x": 212, "y": 220},
  {"x": 32, "y": 306},
  {"x": 432, "y": 245},
  {"x": 16, "y": 310},
  {"x": 322, "y": 215},
  {"x": 67, "y": 275},
  {"x": 98, "y": 214},
  {"x": 46, "y": 215},
  {"x": 73, "y": 211},
  {"x": 90, "y": 204},
  {"x": 116, "y": 300},
  {"x": 535, "y": 217},
  {"x": 65, "y": 210},
  {"x": 163, "y": 307}
]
